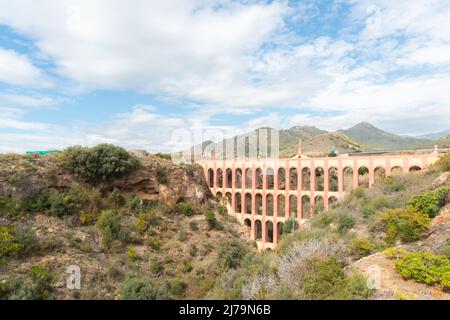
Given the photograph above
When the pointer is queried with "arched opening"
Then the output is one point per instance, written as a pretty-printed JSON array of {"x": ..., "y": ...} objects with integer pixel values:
[
  {"x": 293, "y": 206},
  {"x": 248, "y": 203},
  {"x": 259, "y": 179},
  {"x": 319, "y": 179},
  {"x": 333, "y": 182},
  {"x": 306, "y": 179},
  {"x": 229, "y": 175},
  {"x": 306, "y": 207},
  {"x": 269, "y": 205},
  {"x": 248, "y": 178},
  {"x": 228, "y": 198},
  {"x": 259, "y": 204},
  {"x": 379, "y": 173},
  {"x": 238, "y": 178},
  {"x": 280, "y": 226},
  {"x": 270, "y": 178},
  {"x": 415, "y": 169},
  {"x": 269, "y": 231},
  {"x": 318, "y": 204},
  {"x": 332, "y": 201},
  {"x": 281, "y": 206},
  {"x": 219, "y": 196},
  {"x": 363, "y": 177},
  {"x": 258, "y": 229},
  {"x": 238, "y": 203},
  {"x": 248, "y": 223},
  {"x": 281, "y": 179},
  {"x": 220, "y": 178},
  {"x": 396, "y": 171},
  {"x": 211, "y": 178},
  {"x": 293, "y": 179},
  {"x": 348, "y": 179}
]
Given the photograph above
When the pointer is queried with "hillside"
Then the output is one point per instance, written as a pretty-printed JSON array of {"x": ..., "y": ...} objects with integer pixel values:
[
  {"x": 144, "y": 228},
  {"x": 152, "y": 233},
  {"x": 373, "y": 138},
  {"x": 361, "y": 137}
]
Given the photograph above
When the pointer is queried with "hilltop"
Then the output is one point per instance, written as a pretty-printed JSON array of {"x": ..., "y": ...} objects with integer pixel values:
[{"x": 316, "y": 142}]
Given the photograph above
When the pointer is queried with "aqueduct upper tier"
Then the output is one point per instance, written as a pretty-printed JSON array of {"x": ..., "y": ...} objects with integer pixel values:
[{"x": 265, "y": 193}]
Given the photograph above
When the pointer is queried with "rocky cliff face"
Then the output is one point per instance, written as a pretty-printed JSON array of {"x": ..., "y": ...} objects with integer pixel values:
[{"x": 156, "y": 179}]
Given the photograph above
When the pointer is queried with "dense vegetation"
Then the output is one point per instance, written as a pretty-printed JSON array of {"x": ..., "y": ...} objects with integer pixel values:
[{"x": 154, "y": 250}]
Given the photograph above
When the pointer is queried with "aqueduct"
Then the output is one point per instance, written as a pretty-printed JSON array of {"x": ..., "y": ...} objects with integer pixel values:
[{"x": 264, "y": 194}]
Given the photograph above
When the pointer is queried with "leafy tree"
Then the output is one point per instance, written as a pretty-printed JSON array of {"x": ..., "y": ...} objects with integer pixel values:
[{"x": 101, "y": 163}]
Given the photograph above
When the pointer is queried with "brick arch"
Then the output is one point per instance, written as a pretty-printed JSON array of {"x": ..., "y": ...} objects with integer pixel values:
[
  {"x": 259, "y": 178},
  {"x": 269, "y": 205},
  {"x": 280, "y": 227},
  {"x": 319, "y": 204},
  {"x": 320, "y": 175},
  {"x": 363, "y": 176},
  {"x": 293, "y": 206},
  {"x": 281, "y": 205},
  {"x": 379, "y": 173},
  {"x": 415, "y": 168},
  {"x": 229, "y": 178},
  {"x": 238, "y": 202},
  {"x": 281, "y": 180},
  {"x": 293, "y": 178},
  {"x": 248, "y": 203},
  {"x": 269, "y": 231},
  {"x": 396, "y": 170},
  {"x": 333, "y": 179},
  {"x": 258, "y": 230},
  {"x": 238, "y": 175},
  {"x": 306, "y": 207},
  {"x": 270, "y": 178},
  {"x": 259, "y": 204},
  {"x": 347, "y": 177},
  {"x": 219, "y": 175},
  {"x": 306, "y": 179},
  {"x": 248, "y": 178},
  {"x": 211, "y": 178}
]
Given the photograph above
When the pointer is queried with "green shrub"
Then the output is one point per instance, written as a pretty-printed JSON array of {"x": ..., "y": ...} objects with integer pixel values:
[
  {"x": 181, "y": 235},
  {"x": 424, "y": 267},
  {"x": 156, "y": 267},
  {"x": 393, "y": 184},
  {"x": 10, "y": 207},
  {"x": 145, "y": 220},
  {"x": 221, "y": 209},
  {"x": 211, "y": 219},
  {"x": 144, "y": 289},
  {"x": 26, "y": 237},
  {"x": 443, "y": 163},
  {"x": 430, "y": 202},
  {"x": 230, "y": 253},
  {"x": 323, "y": 220},
  {"x": 187, "y": 267},
  {"x": 101, "y": 163},
  {"x": 290, "y": 226},
  {"x": 193, "y": 250},
  {"x": 407, "y": 225},
  {"x": 161, "y": 175},
  {"x": 187, "y": 209},
  {"x": 345, "y": 222},
  {"x": 358, "y": 193},
  {"x": 132, "y": 255},
  {"x": 360, "y": 248},
  {"x": 37, "y": 286},
  {"x": 177, "y": 287},
  {"x": 368, "y": 211},
  {"x": 9, "y": 246},
  {"x": 193, "y": 225},
  {"x": 153, "y": 243},
  {"x": 109, "y": 223}
]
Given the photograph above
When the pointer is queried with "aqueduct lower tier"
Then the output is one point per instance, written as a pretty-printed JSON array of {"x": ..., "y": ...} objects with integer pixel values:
[{"x": 265, "y": 193}]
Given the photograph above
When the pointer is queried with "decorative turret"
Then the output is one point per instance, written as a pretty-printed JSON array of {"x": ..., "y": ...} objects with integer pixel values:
[{"x": 299, "y": 148}]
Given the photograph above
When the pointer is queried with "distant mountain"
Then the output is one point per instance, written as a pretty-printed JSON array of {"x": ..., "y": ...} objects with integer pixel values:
[
  {"x": 361, "y": 137},
  {"x": 443, "y": 142},
  {"x": 435, "y": 136},
  {"x": 373, "y": 138}
]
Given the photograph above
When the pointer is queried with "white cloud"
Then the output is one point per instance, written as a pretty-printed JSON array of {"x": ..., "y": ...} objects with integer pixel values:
[{"x": 17, "y": 69}]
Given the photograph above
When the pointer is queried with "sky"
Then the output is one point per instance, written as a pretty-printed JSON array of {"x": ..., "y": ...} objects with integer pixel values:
[{"x": 161, "y": 75}]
